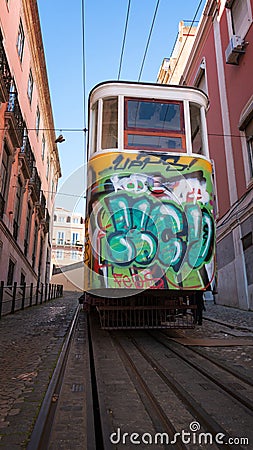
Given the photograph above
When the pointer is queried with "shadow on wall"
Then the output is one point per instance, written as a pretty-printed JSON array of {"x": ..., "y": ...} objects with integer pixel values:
[{"x": 71, "y": 277}]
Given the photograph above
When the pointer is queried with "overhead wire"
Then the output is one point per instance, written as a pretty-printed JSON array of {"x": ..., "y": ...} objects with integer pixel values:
[
  {"x": 124, "y": 39},
  {"x": 148, "y": 41}
]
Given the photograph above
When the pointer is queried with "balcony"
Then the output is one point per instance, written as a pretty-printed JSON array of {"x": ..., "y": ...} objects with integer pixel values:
[
  {"x": 14, "y": 120},
  {"x": 41, "y": 206},
  {"x": 26, "y": 157},
  {"x": 46, "y": 222},
  {"x": 35, "y": 185},
  {"x": 5, "y": 74}
]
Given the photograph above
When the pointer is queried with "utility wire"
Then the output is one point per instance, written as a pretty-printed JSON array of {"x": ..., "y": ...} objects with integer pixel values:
[
  {"x": 148, "y": 41},
  {"x": 84, "y": 130},
  {"x": 84, "y": 71},
  {"x": 124, "y": 38},
  {"x": 192, "y": 22}
]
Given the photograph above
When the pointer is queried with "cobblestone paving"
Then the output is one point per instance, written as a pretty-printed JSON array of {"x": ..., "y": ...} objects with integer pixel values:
[
  {"x": 30, "y": 342},
  {"x": 238, "y": 356}
]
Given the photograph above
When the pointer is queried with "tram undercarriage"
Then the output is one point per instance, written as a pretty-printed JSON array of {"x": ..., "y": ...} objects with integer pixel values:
[{"x": 145, "y": 311}]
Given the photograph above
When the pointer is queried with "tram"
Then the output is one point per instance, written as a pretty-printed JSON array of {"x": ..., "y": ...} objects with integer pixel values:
[{"x": 150, "y": 226}]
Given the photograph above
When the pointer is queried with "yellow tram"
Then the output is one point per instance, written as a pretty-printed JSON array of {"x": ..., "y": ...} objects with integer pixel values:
[{"x": 150, "y": 228}]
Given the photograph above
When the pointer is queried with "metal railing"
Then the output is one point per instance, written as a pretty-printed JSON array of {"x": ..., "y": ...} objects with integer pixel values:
[{"x": 18, "y": 297}]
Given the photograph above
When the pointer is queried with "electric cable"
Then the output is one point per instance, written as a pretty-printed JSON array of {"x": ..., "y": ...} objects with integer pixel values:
[
  {"x": 124, "y": 38},
  {"x": 148, "y": 41}
]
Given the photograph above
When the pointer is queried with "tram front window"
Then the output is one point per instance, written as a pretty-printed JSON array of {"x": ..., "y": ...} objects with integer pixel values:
[
  {"x": 154, "y": 124},
  {"x": 155, "y": 142},
  {"x": 153, "y": 115},
  {"x": 110, "y": 123}
]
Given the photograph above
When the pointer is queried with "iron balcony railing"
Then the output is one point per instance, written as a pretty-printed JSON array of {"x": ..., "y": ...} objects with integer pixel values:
[
  {"x": 14, "y": 115},
  {"x": 35, "y": 184},
  {"x": 27, "y": 158},
  {"x": 5, "y": 74},
  {"x": 41, "y": 205},
  {"x": 46, "y": 221}
]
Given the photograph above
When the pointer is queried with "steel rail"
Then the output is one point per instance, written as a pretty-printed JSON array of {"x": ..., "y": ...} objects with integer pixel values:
[
  {"x": 41, "y": 431},
  {"x": 192, "y": 405},
  {"x": 243, "y": 400}
]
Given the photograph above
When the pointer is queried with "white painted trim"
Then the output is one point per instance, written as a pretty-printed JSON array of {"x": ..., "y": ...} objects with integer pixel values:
[
  {"x": 121, "y": 122},
  {"x": 225, "y": 115},
  {"x": 99, "y": 126},
  {"x": 204, "y": 132}
]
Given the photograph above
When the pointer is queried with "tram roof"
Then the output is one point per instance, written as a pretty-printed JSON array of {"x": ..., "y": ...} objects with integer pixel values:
[{"x": 133, "y": 88}]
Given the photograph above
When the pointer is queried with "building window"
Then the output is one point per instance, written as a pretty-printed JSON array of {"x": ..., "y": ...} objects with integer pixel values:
[
  {"x": 55, "y": 218},
  {"x": 37, "y": 124},
  {"x": 75, "y": 220},
  {"x": 10, "y": 275},
  {"x": 30, "y": 86},
  {"x": 43, "y": 147},
  {"x": 61, "y": 219},
  {"x": 250, "y": 154},
  {"x": 48, "y": 167},
  {"x": 27, "y": 229},
  {"x": 4, "y": 178},
  {"x": 200, "y": 79},
  {"x": 20, "y": 41},
  {"x": 75, "y": 238},
  {"x": 68, "y": 219},
  {"x": 36, "y": 231},
  {"x": 60, "y": 238},
  {"x": 22, "y": 279},
  {"x": 18, "y": 208},
  {"x": 75, "y": 255},
  {"x": 240, "y": 16},
  {"x": 59, "y": 254}
]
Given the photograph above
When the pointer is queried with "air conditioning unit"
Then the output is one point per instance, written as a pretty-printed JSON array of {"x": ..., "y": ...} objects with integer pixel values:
[{"x": 234, "y": 49}]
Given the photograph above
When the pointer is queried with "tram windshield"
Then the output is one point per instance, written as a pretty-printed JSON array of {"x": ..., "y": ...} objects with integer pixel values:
[
  {"x": 153, "y": 124},
  {"x": 153, "y": 115}
]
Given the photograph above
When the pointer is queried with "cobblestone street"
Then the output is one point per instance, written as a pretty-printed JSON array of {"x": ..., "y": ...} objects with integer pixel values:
[{"x": 31, "y": 340}]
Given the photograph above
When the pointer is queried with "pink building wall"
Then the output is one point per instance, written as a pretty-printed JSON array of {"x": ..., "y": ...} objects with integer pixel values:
[
  {"x": 34, "y": 266},
  {"x": 230, "y": 89}
]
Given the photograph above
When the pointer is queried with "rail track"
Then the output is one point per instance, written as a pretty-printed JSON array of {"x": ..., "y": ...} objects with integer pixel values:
[{"x": 141, "y": 388}]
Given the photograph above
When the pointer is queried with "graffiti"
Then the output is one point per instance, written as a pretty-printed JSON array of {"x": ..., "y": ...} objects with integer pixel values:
[
  {"x": 138, "y": 231},
  {"x": 151, "y": 229},
  {"x": 142, "y": 160}
]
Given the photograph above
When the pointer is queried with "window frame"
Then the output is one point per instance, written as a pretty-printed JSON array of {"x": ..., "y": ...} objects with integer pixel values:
[
  {"x": 30, "y": 85},
  {"x": 128, "y": 130},
  {"x": 245, "y": 24},
  {"x": 37, "y": 120},
  {"x": 20, "y": 41}
]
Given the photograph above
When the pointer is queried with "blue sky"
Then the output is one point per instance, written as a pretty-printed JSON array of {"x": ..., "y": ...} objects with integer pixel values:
[{"x": 61, "y": 24}]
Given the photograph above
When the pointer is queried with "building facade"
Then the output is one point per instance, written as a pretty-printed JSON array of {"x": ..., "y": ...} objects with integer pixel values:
[
  {"x": 172, "y": 67},
  {"x": 29, "y": 160},
  {"x": 221, "y": 63},
  {"x": 68, "y": 237}
]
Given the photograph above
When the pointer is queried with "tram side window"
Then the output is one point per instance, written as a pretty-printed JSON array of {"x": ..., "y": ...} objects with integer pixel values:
[
  {"x": 94, "y": 127},
  {"x": 196, "y": 132},
  {"x": 110, "y": 123}
]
